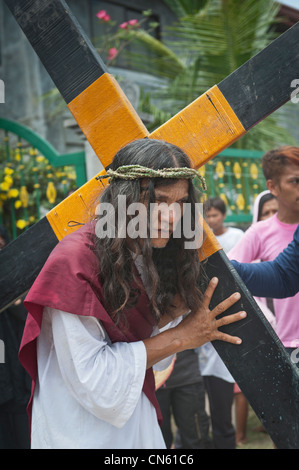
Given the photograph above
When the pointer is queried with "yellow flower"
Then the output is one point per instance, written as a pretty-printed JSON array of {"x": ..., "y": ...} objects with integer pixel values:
[
  {"x": 18, "y": 204},
  {"x": 21, "y": 223},
  {"x": 254, "y": 171},
  {"x": 51, "y": 192},
  {"x": 240, "y": 202},
  {"x": 24, "y": 196},
  {"x": 220, "y": 169},
  {"x": 5, "y": 186},
  {"x": 237, "y": 170},
  {"x": 40, "y": 158},
  {"x": 18, "y": 156},
  {"x": 12, "y": 193},
  {"x": 8, "y": 171},
  {"x": 8, "y": 179}
]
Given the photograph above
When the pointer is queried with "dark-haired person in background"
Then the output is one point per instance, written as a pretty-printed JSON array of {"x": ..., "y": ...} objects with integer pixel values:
[
  {"x": 219, "y": 383},
  {"x": 105, "y": 309},
  {"x": 265, "y": 206},
  {"x": 215, "y": 213}
]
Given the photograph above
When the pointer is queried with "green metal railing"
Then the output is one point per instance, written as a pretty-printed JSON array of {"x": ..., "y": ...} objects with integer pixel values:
[
  {"x": 237, "y": 177},
  {"x": 34, "y": 177}
]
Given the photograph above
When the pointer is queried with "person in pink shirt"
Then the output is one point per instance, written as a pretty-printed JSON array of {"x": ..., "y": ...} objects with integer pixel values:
[{"x": 264, "y": 240}]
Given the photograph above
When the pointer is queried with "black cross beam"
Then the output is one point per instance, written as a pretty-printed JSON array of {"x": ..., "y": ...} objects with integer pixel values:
[{"x": 260, "y": 366}]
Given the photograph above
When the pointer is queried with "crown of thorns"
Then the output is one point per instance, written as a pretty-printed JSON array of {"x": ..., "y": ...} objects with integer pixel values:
[{"x": 133, "y": 172}]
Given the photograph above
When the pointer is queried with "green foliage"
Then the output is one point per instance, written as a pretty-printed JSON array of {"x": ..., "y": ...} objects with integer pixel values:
[
  {"x": 209, "y": 41},
  {"x": 29, "y": 187}
]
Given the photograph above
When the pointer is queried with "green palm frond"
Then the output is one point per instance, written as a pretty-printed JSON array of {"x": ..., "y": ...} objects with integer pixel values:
[
  {"x": 211, "y": 40},
  {"x": 164, "y": 61}
]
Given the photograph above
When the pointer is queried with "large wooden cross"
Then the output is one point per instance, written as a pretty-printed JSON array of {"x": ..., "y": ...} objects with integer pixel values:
[{"x": 260, "y": 366}]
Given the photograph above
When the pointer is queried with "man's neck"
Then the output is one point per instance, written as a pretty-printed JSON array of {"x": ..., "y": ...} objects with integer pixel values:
[
  {"x": 220, "y": 231},
  {"x": 287, "y": 217}
]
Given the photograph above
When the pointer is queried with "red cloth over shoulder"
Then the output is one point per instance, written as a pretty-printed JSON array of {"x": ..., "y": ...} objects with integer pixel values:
[{"x": 69, "y": 282}]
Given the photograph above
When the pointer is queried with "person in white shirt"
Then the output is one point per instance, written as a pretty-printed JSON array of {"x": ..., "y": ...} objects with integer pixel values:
[
  {"x": 218, "y": 381},
  {"x": 215, "y": 213}
]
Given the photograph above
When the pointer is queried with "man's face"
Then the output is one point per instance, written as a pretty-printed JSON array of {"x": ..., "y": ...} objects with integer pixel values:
[
  {"x": 215, "y": 219},
  {"x": 286, "y": 189},
  {"x": 168, "y": 211}
]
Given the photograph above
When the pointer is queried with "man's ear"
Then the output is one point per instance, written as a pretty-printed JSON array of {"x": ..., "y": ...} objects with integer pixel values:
[{"x": 273, "y": 187}]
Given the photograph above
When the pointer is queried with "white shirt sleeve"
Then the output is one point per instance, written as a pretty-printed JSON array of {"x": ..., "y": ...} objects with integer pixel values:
[
  {"x": 105, "y": 378},
  {"x": 162, "y": 365}
]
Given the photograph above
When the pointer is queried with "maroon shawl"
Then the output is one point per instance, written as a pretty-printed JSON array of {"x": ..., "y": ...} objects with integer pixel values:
[{"x": 69, "y": 282}]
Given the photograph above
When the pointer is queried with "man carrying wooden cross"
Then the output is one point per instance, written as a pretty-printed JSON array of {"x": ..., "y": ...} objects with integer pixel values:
[{"x": 100, "y": 302}]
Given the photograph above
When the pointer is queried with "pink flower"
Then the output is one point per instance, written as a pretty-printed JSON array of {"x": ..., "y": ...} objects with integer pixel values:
[
  {"x": 102, "y": 15},
  {"x": 133, "y": 22},
  {"x": 129, "y": 23},
  {"x": 112, "y": 53}
]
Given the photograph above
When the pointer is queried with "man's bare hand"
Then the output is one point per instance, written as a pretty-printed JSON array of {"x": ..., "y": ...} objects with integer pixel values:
[
  {"x": 202, "y": 326},
  {"x": 195, "y": 329}
]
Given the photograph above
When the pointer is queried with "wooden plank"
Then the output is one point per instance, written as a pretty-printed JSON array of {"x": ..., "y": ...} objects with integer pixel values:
[
  {"x": 102, "y": 109},
  {"x": 62, "y": 46},
  {"x": 204, "y": 128},
  {"x": 91, "y": 93},
  {"x": 263, "y": 84},
  {"x": 22, "y": 259}
]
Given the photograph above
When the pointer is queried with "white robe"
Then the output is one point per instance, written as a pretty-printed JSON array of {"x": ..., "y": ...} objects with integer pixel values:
[{"x": 89, "y": 391}]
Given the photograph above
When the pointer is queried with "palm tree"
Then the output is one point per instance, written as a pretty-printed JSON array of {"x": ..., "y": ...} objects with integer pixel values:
[{"x": 210, "y": 40}]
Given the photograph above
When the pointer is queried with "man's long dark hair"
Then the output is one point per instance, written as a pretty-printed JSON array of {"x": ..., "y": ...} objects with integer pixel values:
[{"x": 170, "y": 270}]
